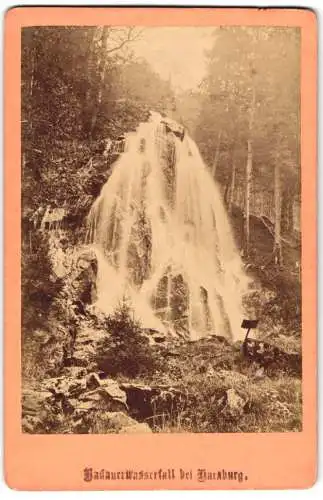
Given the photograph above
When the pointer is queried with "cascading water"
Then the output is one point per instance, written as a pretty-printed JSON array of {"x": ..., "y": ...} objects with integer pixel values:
[{"x": 163, "y": 238}]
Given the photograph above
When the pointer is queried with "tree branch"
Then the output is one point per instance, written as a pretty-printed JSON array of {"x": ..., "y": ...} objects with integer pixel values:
[{"x": 131, "y": 37}]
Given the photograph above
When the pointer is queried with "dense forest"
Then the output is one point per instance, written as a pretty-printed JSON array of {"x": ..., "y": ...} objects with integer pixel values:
[
  {"x": 77, "y": 93},
  {"x": 83, "y": 89},
  {"x": 87, "y": 85},
  {"x": 248, "y": 127}
]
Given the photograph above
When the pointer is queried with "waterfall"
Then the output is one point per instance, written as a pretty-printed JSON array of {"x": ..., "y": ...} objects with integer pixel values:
[{"x": 163, "y": 238}]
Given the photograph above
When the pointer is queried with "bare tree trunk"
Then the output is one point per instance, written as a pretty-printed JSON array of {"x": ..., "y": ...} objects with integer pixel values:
[
  {"x": 277, "y": 251},
  {"x": 247, "y": 199},
  {"x": 227, "y": 193},
  {"x": 285, "y": 212},
  {"x": 102, "y": 62},
  {"x": 100, "y": 43},
  {"x": 95, "y": 36},
  {"x": 249, "y": 174},
  {"x": 232, "y": 187},
  {"x": 287, "y": 201},
  {"x": 217, "y": 155},
  {"x": 291, "y": 215}
]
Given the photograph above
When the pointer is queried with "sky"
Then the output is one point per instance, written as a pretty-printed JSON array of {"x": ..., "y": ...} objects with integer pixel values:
[{"x": 176, "y": 53}]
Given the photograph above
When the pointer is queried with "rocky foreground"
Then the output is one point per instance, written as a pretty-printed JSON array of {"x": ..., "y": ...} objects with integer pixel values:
[
  {"x": 205, "y": 386},
  {"x": 86, "y": 374}
]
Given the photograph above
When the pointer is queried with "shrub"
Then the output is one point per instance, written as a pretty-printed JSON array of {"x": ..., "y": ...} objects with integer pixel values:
[{"x": 126, "y": 351}]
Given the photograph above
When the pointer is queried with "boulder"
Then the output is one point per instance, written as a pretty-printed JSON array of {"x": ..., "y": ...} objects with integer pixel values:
[
  {"x": 92, "y": 381},
  {"x": 106, "y": 422},
  {"x": 146, "y": 401},
  {"x": 65, "y": 386},
  {"x": 85, "y": 406},
  {"x": 34, "y": 400},
  {"x": 72, "y": 405},
  {"x": 110, "y": 388},
  {"x": 123, "y": 424},
  {"x": 107, "y": 396},
  {"x": 39, "y": 410},
  {"x": 232, "y": 405}
]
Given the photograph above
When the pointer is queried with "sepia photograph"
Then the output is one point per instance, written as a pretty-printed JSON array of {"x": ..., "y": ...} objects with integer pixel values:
[{"x": 160, "y": 230}]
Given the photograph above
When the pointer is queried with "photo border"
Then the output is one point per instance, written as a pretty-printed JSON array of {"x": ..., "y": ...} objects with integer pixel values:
[{"x": 56, "y": 462}]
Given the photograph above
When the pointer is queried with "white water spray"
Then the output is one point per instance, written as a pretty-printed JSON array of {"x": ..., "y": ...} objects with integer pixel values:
[{"x": 163, "y": 238}]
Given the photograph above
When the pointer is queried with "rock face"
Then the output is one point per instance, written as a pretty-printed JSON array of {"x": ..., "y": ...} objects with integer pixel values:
[
  {"x": 84, "y": 281},
  {"x": 76, "y": 405},
  {"x": 89, "y": 404},
  {"x": 110, "y": 390},
  {"x": 36, "y": 404},
  {"x": 86, "y": 345},
  {"x": 67, "y": 337},
  {"x": 146, "y": 401},
  {"x": 65, "y": 387}
]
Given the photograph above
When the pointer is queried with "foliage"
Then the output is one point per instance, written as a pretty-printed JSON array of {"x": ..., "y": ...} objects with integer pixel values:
[
  {"x": 126, "y": 351},
  {"x": 38, "y": 287},
  {"x": 80, "y": 86},
  {"x": 251, "y": 92}
]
